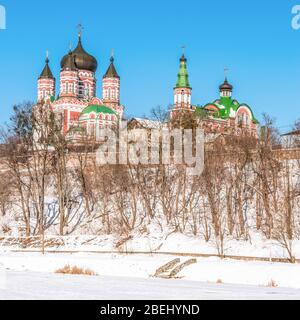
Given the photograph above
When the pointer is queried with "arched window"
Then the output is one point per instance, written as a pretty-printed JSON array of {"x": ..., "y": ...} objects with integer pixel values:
[{"x": 87, "y": 90}]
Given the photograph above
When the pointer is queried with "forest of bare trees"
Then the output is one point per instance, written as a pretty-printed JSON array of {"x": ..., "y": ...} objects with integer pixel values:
[{"x": 54, "y": 188}]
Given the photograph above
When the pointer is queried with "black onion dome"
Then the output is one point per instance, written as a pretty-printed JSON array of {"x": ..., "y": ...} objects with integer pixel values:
[
  {"x": 83, "y": 60},
  {"x": 226, "y": 86},
  {"x": 69, "y": 62}
]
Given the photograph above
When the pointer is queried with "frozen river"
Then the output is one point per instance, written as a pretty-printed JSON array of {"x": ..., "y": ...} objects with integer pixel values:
[{"x": 27, "y": 285}]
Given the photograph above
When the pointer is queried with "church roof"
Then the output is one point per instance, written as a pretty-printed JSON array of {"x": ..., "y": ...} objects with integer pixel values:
[
  {"x": 82, "y": 59},
  {"x": 70, "y": 62},
  {"x": 292, "y": 133},
  {"x": 46, "y": 73},
  {"x": 183, "y": 77},
  {"x": 226, "y": 86},
  {"x": 227, "y": 108},
  {"x": 111, "y": 71},
  {"x": 97, "y": 109}
]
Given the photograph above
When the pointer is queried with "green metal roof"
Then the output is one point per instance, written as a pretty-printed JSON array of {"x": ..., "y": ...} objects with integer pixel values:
[
  {"x": 183, "y": 77},
  {"x": 227, "y": 106},
  {"x": 98, "y": 109}
]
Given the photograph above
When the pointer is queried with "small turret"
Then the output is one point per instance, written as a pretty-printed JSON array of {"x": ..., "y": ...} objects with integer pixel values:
[
  {"x": 111, "y": 86},
  {"x": 46, "y": 82}
]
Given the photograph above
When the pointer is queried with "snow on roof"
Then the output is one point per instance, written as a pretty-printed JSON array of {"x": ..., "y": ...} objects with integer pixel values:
[
  {"x": 148, "y": 124},
  {"x": 292, "y": 133}
]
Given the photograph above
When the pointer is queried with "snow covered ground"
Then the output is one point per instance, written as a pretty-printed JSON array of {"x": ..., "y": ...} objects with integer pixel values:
[
  {"x": 30, "y": 285},
  {"x": 122, "y": 276},
  {"x": 156, "y": 241}
]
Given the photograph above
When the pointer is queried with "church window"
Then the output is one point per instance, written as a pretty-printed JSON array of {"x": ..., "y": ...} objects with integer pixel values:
[{"x": 86, "y": 90}]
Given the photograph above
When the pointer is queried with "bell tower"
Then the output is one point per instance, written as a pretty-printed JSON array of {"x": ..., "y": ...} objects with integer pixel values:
[
  {"x": 182, "y": 90},
  {"x": 111, "y": 86}
]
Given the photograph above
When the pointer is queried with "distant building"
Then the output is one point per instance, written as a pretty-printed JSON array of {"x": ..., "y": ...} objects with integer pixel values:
[
  {"x": 224, "y": 115},
  {"x": 291, "y": 139},
  {"x": 77, "y": 105},
  {"x": 81, "y": 112}
]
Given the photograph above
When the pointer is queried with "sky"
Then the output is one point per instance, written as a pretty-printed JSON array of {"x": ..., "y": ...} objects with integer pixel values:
[{"x": 254, "y": 39}]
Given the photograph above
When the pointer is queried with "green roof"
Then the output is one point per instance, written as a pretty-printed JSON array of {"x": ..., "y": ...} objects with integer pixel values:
[
  {"x": 98, "y": 109},
  {"x": 183, "y": 77},
  {"x": 227, "y": 106}
]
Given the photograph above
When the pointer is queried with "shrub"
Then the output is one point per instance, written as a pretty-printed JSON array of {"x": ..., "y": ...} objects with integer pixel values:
[
  {"x": 75, "y": 271},
  {"x": 272, "y": 284}
]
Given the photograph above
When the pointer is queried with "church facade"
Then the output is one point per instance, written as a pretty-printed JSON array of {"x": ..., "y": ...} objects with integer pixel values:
[
  {"x": 224, "y": 115},
  {"x": 81, "y": 111},
  {"x": 77, "y": 105}
]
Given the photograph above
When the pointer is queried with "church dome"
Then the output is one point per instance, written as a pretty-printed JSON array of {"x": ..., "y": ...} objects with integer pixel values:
[
  {"x": 82, "y": 59},
  {"x": 97, "y": 109},
  {"x": 226, "y": 86}
]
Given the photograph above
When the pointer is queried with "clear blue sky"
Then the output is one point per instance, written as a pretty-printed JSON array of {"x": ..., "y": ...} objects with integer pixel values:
[{"x": 253, "y": 38}]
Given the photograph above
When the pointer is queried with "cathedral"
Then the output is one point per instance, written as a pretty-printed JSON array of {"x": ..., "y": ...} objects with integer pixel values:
[
  {"x": 81, "y": 111},
  {"x": 77, "y": 104}
]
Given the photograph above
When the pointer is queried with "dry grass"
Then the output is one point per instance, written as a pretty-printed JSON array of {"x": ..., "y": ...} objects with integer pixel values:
[
  {"x": 272, "y": 284},
  {"x": 76, "y": 271}
]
